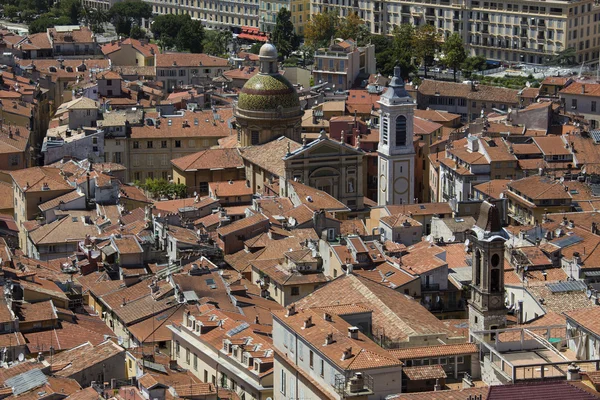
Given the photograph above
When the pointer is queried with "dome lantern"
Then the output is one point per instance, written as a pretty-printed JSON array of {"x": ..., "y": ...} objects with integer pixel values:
[{"x": 267, "y": 57}]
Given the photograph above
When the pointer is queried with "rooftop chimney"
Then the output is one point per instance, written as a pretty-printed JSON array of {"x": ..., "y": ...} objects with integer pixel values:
[
  {"x": 291, "y": 310},
  {"x": 327, "y": 317},
  {"x": 353, "y": 332},
  {"x": 329, "y": 339},
  {"x": 583, "y": 89},
  {"x": 308, "y": 322},
  {"x": 347, "y": 353}
]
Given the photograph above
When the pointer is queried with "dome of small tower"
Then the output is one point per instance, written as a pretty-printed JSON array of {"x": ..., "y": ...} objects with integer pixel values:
[
  {"x": 268, "y": 50},
  {"x": 268, "y": 90}
]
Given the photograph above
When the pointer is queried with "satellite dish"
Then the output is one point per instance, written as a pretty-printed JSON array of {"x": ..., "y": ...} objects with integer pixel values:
[
  {"x": 429, "y": 239},
  {"x": 562, "y": 179},
  {"x": 467, "y": 242},
  {"x": 21, "y": 357}
]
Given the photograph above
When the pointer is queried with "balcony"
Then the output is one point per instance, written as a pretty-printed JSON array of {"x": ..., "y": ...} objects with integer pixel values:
[{"x": 432, "y": 287}]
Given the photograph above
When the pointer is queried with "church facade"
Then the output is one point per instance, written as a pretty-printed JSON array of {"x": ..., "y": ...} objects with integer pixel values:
[{"x": 330, "y": 166}]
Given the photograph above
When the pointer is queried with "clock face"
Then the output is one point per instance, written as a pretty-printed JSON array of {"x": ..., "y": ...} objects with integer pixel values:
[
  {"x": 383, "y": 182},
  {"x": 401, "y": 185}
]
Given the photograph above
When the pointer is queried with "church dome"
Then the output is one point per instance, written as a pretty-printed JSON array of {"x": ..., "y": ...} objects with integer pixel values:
[
  {"x": 268, "y": 50},
  {"x": 265, "y": 92}
]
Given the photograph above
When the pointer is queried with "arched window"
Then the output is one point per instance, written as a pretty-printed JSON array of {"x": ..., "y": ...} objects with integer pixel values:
[
  {"x": 495, "y": 280},
  {"x": 401, "y": 131},
  {"x": 477, "y": 268},
  {"x": 384, "y": 130}
]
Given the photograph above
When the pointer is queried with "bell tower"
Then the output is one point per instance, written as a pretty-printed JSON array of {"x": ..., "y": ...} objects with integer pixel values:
[
  {"x": 486, "y": 307},
  {"x": 396, "y": 150}
]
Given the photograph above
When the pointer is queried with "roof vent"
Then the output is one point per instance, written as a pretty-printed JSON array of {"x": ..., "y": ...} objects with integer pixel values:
[
  {"x": 328, "y": 339},
  {"x": 347, "y": 353},
  {"x": 308, "y": 323},
  {"x": 291, "y": 310},
  {"x": 353, "y": 332}
]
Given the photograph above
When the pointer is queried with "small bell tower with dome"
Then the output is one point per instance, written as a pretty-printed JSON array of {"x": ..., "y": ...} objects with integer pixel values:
[
  {"x": 268, "y": 105},
  {"x": 396, "y": 151},
  {"x": 487, "y": 310}
]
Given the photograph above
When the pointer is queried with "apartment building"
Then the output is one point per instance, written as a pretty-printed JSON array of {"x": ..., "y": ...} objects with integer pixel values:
[
  {"x": 341, "y": 63},
  {"x": 467, "y": 100},
  {"x": 581, "y": 98},
  {"x": 214, "y": 14},
  {"x": 68, "y": 40},
  {"x": 130, "y": 52},
  {"x": 529, "y": 199},
  {"x": 471, "y": 161},
  {"x": 522, "y": 32},
  {"x": 319, "y": 355},
  {"x": 32, "y": 187},
  {"x": 152, "y": 146},
  {"x": 224, "y": 350},
  {"x": 300, "y": 15},
  {"x": 183, "y": 69}
]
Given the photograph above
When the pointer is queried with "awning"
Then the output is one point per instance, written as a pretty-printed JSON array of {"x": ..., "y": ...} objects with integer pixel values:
[{"x": 591, "y": 273}]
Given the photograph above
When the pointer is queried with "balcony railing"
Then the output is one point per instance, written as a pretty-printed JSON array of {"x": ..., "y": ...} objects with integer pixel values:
[{"x": 432, "y": 287}]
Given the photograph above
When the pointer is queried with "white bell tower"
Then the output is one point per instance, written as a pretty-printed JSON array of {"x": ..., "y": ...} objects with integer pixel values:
[{"x": 396, "y": 151}]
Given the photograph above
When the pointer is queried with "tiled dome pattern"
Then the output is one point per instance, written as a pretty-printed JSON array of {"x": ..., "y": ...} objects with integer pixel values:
[{"x": 267, "y": 93}]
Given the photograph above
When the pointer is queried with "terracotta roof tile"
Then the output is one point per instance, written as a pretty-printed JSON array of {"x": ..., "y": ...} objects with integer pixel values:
[
  {"x": 315, "y": 199},
  {"x": 230, "y": 188},
  {"x": 434, "y": 351},
  {"x": 582, "y": 89},
  {"x": 209, "y": 159},
  {"x": 401, "y": 316},
  {"x": 269, "y": 156},
  {"x": 363, "y": 353},
  {"x": 424, "y": 372},
  {"x": 175, "y": 60}
]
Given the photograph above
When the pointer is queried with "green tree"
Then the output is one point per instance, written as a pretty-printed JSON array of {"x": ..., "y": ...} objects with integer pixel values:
[
  {"x": 472, "y": 64},
  {"x": 137, "y": 32},
  {"x": 166, "y": 28},
  {"x": 403, "y": 49},
  {"x": 71, "y": 9},
  {"x": 565, "y": 57},
  {"x": 216, "y": 42},
  {"x": 11, "y": 12},
  {"x": 321, "y": 28},
  {"x": 426, "y": 45},
  {"x": 46, "y": 21},
  {"x": 352, "y": 27},
  {"x": 454, "y": 52},
  {"x": 124, "y": 14},
  {"x": 255, "y": 48},
  {"x": 190, "y": 36},
  {"x": 283, "y": 35}
]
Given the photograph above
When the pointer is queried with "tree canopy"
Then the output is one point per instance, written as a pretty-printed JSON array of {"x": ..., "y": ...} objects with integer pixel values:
[
  {"x": 283, "y": 36},
  {"x": 352, "y": 27},
  {"x": 125, "y": 13},
  {"x": 454, "y": 52},
  {"x": 163, "y": 188},
  {"x": 180, "y": 32},
  {"x": 472, "y": 64},
  {"x": 426, "y": 45},
  {"x": 404, "y": 48},
  {"x": 321, "y": 28},
  {"x": 217, "y": 42}
]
